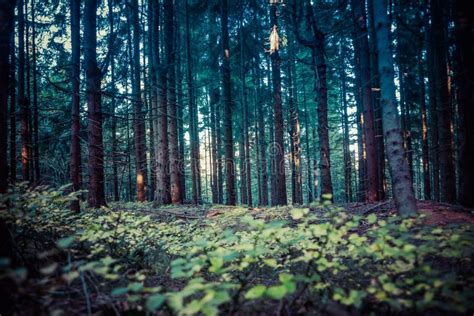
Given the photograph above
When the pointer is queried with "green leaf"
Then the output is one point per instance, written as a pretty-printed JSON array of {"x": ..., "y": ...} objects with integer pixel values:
[
  {"x": 372, "y": 218},
  {"x": 277, "y": 292},
  {"x": 65, "y": 242},
  {"x": 255, "y": 292},
  {"x": 119, "y": 291},
  {"x": 154, "y": 302},
  {"x": 135, "y": 287}
]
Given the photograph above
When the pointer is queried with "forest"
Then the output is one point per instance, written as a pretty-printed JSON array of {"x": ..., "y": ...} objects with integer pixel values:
[{"x": 236, "y": 157}]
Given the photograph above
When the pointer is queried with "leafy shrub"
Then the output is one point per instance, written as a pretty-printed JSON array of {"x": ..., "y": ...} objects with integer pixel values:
[{"x": 299, "y": 258}]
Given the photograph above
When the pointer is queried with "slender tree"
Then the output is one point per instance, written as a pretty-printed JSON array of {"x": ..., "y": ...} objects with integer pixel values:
[
  {"x": 176, "y": 195},
  {"x": 6, "y": 31},
  {"x": 96, "y": 192},
  {"x": 361, "y": 44},
  {"x": 227, "y": 88},
  {"x": 193, "y": 121},
  {"x": 22, "y": 99},
  {"x": 138, "y": 115},
  {"x": 12, "y": 87},
  {"x": 75, "y": 160},
  {"x": 399, "y": 171},
  {"x": 465, "y": 96},
  {"x": 278, "y": 145},
  {"x": 443, "y": 104}
]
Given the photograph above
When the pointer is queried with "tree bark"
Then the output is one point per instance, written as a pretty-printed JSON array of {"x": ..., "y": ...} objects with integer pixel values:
[
  {"x": 346, "y": 150},
  {"x": 295, "y": 134},
  {"x": 193, "y": 121},
  {"x": 75, "y": 160},
  {"x": 308, "y": 152},
  {"x": 363, "y": 57},
  {"x": 36, "y": 161},
  {"x": 138, "y": 115},
  {"x": 278, "y": 145},
  {"x": 96, "y": 197},
  {"x": 465, "y": 96},
  {"x": 444, "y": 108},
  {"x": 400, "y": 174},
  {"x": 176, "y": 194},
  {"x": 227, "y": 88},
  {"x": 22, "y": 99},
  {"x": 162, "y": 195},
  {"x": 12, "y": 90},
  {"x": 6, "y": 31}
]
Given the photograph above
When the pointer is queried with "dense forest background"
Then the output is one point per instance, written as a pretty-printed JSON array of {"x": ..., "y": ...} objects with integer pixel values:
[
  {"x": 240, "y": 157},
  {"x": 236, "y": 102}
]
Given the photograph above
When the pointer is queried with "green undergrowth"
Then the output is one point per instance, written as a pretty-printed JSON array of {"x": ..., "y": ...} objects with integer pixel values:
[{"x": 318, "y": 260}]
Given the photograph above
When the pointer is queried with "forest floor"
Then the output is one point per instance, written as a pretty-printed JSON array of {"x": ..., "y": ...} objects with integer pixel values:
[
  {"x": 436, "y": 213},
  {"x": 112, "y": 260}
]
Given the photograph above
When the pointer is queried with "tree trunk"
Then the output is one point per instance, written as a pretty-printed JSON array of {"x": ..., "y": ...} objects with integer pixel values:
[
  {"x": 93, "y": 77},
  {"x": 400, "y": 174},
  {"x": 444, "y": 108},
  {"x": 176, "y": 195},
  {"x": 278, "y": 146},
  {"x": 6, "y": 31},
  {"x": 22, "y": 100},
  {"x": 179, "y": 112},
  {"x": 424, "y": 130},
  {"x": 376, "y": 104},
  {"x": 162, "y": 195},
  {"x": 36, "y": 165},
  {"x": 75, "y": 162},
  {"x": 308, "y": 152},
  {"x": 194, "y": 132},
  {"x": 363, "y": 57},
  {"x": 12, "y": 90},
  {"x": 262, "y": 145},
  {"x": 227, "y": 88},
  {"x": 433, "y": 114},
  {"x": 346, "y": 150},
  {"x": 465, "y": 95},
  {"x": 297, "y": 197},
  {"x": 114, "y": 147},
  {"x": 138, "y": 115}
]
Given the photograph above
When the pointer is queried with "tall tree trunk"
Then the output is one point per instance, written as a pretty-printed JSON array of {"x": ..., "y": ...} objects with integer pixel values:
[
  {"x": 346, "y": 150},
  {"x": 433, "y": 114},
  {"x": 262, "y": 163},
  {"x": 278, "y": 146},
  {"x": 400, "y": 174},
  {"x": 243, "y": 148},
  {"x": 424, "y": 130},
  {"x": 176, "y": 195},
  {"x": 75, "y": 160},
  {"x": 179, "y": 112},
  {"x": 6, "y": 31},
  {"x": 363, "y": 57},
  {"x": 323, "y": 127},
  {"x": 444, "y": 108},
  {"x": 465, "y": 95},
  {"x": 194, "y": 132},
  {"x": 227, "y": 88},
  {"x": 96, "y": 197},
  {"x": 36, "y": 165},
  {"x": 162, "y": 195},
  {"x": 114, "y": 146},
  {"x": 138, "y": 115},
  {"x": 308, "y": 152},
  {"x": 295, "y": 139},
  {"x": 376, "y": 103},
  {"x": 22, "y": 100},
  {"x": 12, "y": 90}
]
